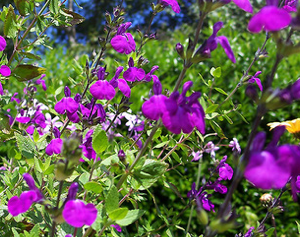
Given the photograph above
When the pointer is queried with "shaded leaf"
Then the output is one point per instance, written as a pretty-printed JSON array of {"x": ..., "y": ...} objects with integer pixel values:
[
  {"x": 54, "y": 6},
  {"x": 131, "y": 217},
  {"x": 118, "y": 214},
  {"x": 216, "y": 127},
  {"x": 28, "y": 72},
  {"x": 76, "y": 18}
]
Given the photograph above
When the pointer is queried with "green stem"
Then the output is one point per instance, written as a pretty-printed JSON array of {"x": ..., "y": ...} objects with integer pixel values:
[
  {"x": 27, "y": 31},
  {"x": 197, "y": 186},
  {"x": 140, "y": 154}
]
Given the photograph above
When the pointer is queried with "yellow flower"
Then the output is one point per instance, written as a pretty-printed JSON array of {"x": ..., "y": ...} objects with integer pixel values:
[{"x": 293, "y": 126}]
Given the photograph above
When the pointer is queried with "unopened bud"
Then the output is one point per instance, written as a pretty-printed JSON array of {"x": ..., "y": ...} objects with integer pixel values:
[
  {"x": 202, "y": 216},
  {"x": 180, "y": 50},
  {"x": 266, "y": 199}
]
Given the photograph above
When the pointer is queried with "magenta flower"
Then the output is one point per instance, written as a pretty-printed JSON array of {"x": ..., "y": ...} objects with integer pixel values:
[
  {"x": 123, "y": 42},
  {"x": 178, "y": 113},
  {"x": 41, "y": 81},
  {"x": 17, "y": 205},
  {"x": 172, "y": 3},
  {"x": 133, "y": 73},
  {"x": 290, "y": 5},
  {"x": 5, "y": 71},
  {"x": 269, "y": 18},
  {"x": 244, "y": 5},
  {"x": 67, "y": 104},
  {"x": 2, "y": 43},
  {"x": 117, "y": 227},
  {"x": 212, "y": 43},
  {"x": 273, "y": 166},
  {"x": 102, "y": 89},
  {"x": 55, "y": 146},
  {"x": 256, "y": 80},
  {"x": 225, "y": 171},
  {"x": 77, "y": 214}
]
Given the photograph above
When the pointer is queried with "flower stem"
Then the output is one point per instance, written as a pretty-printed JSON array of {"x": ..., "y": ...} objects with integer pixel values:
[{"x": 140, "y": 154}]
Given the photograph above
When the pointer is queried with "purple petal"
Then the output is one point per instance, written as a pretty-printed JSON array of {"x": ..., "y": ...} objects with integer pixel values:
[
  {"x": 103, "y": 90},
  {"x": 123, "y": 43},
  {"x": 77, "y": 214},
  {"x": 244, "y": 5},
  {"x": 20, "y": 205},
  {"x": 1, "y": 89},
  {"x": 71, "y": 105},
  {"x": 60, "y": 106},
  {"x": 124, "y": 88},
  {"x": 225, "y": 172},
  {"x": 223, "y": 41},
  {"x": 117, "y": 227},
  {"x": 2, "y": 43},
  {"x": 23, "y": 119},
  {"x": 54, "y": 147},
  {"x": 269, "y": 18},
  {"x": 134, "y": 74},
  {"x": 173, "y": 4},
  {"x": 5, "y": 71},
  {"x": 154, "y": 107},
  {"x": 265, "y": 172}
]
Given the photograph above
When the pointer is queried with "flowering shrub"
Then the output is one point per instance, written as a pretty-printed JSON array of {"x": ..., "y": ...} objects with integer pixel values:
[{"x": 100, "y": 150}]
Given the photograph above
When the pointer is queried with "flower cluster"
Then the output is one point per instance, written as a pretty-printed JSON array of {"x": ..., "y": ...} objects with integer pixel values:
[{"x": 178, "y": 112}]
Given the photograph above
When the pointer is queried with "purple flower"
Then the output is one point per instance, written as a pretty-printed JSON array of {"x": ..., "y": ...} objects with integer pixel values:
[
  {"x": 55, "y": 146},
  {"x": 67, "y": 104},
  {"x": 133, "y": 73},
  {"x": 244, "y": 5},
  {"x": 225, "y": 171},
  {"x": 290, "y": 5},
  {"x": 178, "y": 113},
  {"x": 211, "y": 148},
  {"x": 2, "y": 43},
  {"x": 77, "y": 214},
  {"x": 172, "y": 3},
  {"x": 212, "y": 43},
  {"x": 256, "y": 80},
  {"x": 87, "y": 148},
  {"x": 17, "y": 205},
  {"x": 197, "y": 155},
  {"x": 5, "y": 71},
  {"x": 41, "y": 81},
  {"x": 123, "y": 42},
  {"x": 117, "y": 227},
  {"x": 269, "y": 18},
  {"x": 235, "y": 145},
  {"x": 273, "y": 166},
  {"x": 249, "y": 232}
]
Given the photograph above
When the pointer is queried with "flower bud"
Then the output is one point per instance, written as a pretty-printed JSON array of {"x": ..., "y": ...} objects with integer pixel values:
[
  {"x": 266, "y": 199},
  {"x": 122, "y": 155},
  {"x": 180, "y": 50},
  {"x": 62, "y": 172},
  {"x": 202, "y": 216}
]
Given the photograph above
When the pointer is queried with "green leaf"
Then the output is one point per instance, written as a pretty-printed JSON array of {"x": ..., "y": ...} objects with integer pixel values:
[
  {"x": 298, "y": 226},
  {"x": 100, "y": 140},
  {"x": 25, "y": 145},
  {"x": 30, "y": 55},
  {"x": 270, "y": 231},
  {"x": 131, "y": 217},
  {"x": 24, "y": 6},
  {"x": 220, "y": 91},
  {"x": 212, "y": 108},
  {"x": 10, "y": 28},
  {"x": 38, "y": 165},
  {"x": 118, "y": 214},
  {"x": 35, "y": 231},
  {"x": 94, "y": 187},
  {"x": 216, "y": 127},
  {"x": 49, "y": 170},
  {"x": 76, "y": 18},
  {"x": 54, "y": 6},
  {"x": 112, "y": 200},
  {"x": 28, "y": 72},
  {"x": 228, "y": 118},
  {"x": 216, "y": 72},
  {"x": 150, "y": 172}
]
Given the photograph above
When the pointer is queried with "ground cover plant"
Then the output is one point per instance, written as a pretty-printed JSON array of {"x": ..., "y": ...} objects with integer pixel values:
[{"x": 161, "y": 127}]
